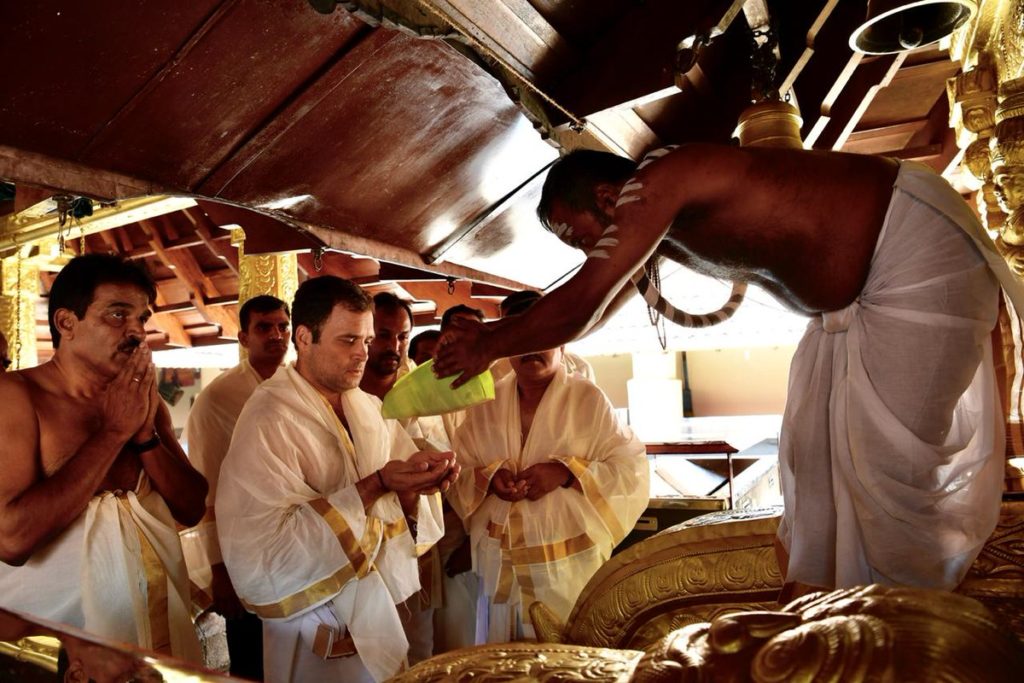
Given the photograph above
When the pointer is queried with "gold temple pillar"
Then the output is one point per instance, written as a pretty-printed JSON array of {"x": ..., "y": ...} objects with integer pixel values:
[
  {"x": 273, "y": 274},
  {"x": 987, "y": 112},
  {"x": 19, "y": 291}
]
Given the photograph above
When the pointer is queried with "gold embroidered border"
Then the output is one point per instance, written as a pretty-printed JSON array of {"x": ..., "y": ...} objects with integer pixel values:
[
  {"x": 355, "y": 550},
  {"x": 395, "y": 528},
  {"x": 311, "y": 595},
  {"x": 482, "y": 482},
  {"x": 550, "y": 552},
  {"x": 592, "y": 491},
  {"x": 156, "y": 589},
  {"x": 516, "y": 556}
]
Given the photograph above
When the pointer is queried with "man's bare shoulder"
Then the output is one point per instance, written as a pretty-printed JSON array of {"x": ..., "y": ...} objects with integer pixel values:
[
  {"x": 18, "y": 392},
  {"x": 19, "y": 423},
  {"x": 693, "y": 173}
]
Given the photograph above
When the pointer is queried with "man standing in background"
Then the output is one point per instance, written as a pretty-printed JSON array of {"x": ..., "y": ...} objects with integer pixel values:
[{"x": 264, "y": 322}]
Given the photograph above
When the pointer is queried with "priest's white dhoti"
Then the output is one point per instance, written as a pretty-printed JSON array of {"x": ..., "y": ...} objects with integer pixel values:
[{"x": 892, "y": 442}]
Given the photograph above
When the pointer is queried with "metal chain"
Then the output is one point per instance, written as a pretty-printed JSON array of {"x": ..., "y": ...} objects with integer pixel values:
[
  {"x": 63, "y": 209},
  {"x": 764, "y": 65},
  {"x": 17, "y": 312},
  {"x": 575, "y": 123},
  {"x": 657, "y": 321},
  {"x": 451, "y": 285},
  {"x": 318, "y": 258}
]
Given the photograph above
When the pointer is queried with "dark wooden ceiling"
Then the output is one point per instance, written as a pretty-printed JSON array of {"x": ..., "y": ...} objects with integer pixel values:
[{"x": 425, "y": 154}]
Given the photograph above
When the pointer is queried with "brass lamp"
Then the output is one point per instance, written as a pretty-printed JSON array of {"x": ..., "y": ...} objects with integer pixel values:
[{"x": 896, "y": 26}]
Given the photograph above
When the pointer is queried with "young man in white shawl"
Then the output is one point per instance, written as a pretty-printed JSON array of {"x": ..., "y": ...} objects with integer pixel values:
[
  {"x": 93, "y": 478},
  {"x": 892, "y": 441},
  {"x": 264, "y": 323},
  {"x": 323, "y": 506},
  {"x": 553, "y": 483}
]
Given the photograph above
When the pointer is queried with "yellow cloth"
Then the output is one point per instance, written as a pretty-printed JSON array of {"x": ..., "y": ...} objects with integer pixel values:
[
  {"x": 549, "y": 548},
  {"x": 116, "y": 572},
  {"x": 293, "y": 531}
]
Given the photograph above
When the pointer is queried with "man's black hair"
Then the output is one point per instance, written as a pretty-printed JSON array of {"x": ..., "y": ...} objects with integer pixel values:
[
  {"x": 572, "y": 179},
  {"x": 317, "y": 297},
  {"x": 514, "y": 304},
  {"x": 264, "y": 303},
  {"x": 425, "y": 336},
  {"x": 460, "y": 309},
  {"x": 75, "y": 286},
  {"x": 386, "y": 301}
]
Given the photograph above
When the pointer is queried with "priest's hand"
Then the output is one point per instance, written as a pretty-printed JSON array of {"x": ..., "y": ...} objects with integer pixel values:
[
  {"x": 463, "y": 350},
  {"x": 543, "y": 478},
  {"x": 504, "y": 485}
]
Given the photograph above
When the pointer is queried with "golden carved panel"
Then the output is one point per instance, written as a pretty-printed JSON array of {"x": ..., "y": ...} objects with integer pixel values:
[
  {"x": 273, "y": 274},
  {"x": 709, "y": 566},
  {"x": 525, "y": 662},
  {"x": 871, "y": 633},
  {"x": 999, "y": 569},
  {"x": 17, "y": 309}
]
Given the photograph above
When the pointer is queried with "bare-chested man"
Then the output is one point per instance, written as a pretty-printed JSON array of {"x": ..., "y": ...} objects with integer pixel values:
[
  {"x": 94, "y": 479},
  {"x": 891, "y": 442}
]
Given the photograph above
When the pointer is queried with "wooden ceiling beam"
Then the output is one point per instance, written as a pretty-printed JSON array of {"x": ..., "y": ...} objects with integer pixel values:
[
  {"x": 198, "y": 283},
  {"x": 827, "y": 62},
  {"x": 795, "y": 57},
  {"x": 640, "y": 63},
  {"x": 172, "y": 327},
  {"x": 840, "y": 116},
  {"x": 219, "y": 245},
  {"x": 482, "y": 289},
  {"x": 360, "y": 270},
  {"x": 514, "y": 31},
  {"x": 462, "y": 293},
  {"x": 110, "y": 241},
  {"x": 400, "y": 255}
]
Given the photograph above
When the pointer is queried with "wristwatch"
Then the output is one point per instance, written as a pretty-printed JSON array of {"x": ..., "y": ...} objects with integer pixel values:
[{"x": 147, "y": 445}]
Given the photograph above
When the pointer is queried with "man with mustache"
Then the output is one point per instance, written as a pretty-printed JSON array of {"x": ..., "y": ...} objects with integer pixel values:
[
  {"x": 93, "y": 478},
  {"x": 264, "y": 321},
  {"x": 323, "y": 507},
  {"x": 556, "y": 483},
  {"x": 392, "y": 325}
]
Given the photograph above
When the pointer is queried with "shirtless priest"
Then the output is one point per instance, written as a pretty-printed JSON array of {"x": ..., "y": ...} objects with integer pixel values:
[
  {"x": 93, "y": 478},
  {"x": 323, "y": 507},
  {"x": 891, "y": 447}
]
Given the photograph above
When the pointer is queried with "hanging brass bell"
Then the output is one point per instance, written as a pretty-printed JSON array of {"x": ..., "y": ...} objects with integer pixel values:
[
  {"x": 770, "y": 124},
  {"x": 895, "y": 26}
]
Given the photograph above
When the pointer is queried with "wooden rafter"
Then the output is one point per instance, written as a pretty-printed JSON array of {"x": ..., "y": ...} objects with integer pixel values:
[
  {"x": 220, "y": 246},
  {"x": 462, "y": 293},
  {"x": 198, "y": 283}
]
